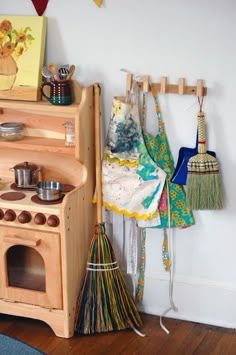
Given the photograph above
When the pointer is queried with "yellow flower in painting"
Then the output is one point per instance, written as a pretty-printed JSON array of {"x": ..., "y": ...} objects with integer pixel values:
[
  {"x": 3, "y": 38},
  {"x": 21, "y": 36},
  {"x": 19, "y": 51},
  {"x": 14, "y": 42}
]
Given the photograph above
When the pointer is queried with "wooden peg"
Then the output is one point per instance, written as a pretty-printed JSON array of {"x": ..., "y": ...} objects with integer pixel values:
[
  {"x": 181, "y": 86},
  {"x": 129, "y": 82},
  {"x": 146, "y": 83},
  {"x": 199, "y": 91},
  {"x": 163, "y": 86}
]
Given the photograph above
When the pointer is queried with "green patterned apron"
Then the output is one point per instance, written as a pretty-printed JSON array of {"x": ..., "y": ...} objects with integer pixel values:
[
  {"x": 159, "y": 150},
  {"x": 173, "y": 209}
]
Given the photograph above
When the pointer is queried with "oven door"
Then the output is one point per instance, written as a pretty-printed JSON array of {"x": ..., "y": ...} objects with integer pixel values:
[{"x": 30, "y": 267}]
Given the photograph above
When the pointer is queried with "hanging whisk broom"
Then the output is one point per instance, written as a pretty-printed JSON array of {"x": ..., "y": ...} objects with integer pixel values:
[
  {"x": 204, "y": 190},
  {"x": 104, "y": 303}
]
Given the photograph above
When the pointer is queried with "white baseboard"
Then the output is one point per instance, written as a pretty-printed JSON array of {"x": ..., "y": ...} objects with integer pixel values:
[{"x": 198, "y": 300}]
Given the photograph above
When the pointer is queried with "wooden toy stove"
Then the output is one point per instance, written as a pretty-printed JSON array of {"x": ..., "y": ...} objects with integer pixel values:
[{"x": 44, "y": 246}]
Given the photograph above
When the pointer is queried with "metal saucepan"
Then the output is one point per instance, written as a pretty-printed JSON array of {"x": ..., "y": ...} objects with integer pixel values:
[
  {"x": 26, "y": 174},
  {"x": 49, "y": 190}
]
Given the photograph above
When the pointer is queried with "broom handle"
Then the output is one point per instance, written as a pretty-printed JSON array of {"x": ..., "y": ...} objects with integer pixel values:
[
  {"x": 97, "y": 91},
  {"x": 201, "y": 133}
]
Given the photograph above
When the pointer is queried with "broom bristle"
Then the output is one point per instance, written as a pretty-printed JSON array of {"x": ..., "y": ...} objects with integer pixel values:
[
  {"x": 204, "y": 190},
  {"x": 105, "y": 303}
]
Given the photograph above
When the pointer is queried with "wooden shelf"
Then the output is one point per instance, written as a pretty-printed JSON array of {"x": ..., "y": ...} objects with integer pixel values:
[
  {"x": 39, "y": 144},
  {"x": 43, "y": 107}
]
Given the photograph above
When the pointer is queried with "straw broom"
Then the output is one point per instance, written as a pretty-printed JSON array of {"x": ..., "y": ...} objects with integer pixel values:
[
  {"x": 204, "y": 191},
  {"x": 104, "y": 303}
]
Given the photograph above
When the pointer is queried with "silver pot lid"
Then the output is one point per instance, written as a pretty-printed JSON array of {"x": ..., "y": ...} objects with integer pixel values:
[{"x": 25, "y": 166}]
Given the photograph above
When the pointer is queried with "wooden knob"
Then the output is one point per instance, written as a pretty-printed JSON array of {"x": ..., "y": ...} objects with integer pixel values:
[
  {"x": 39, "y": 219},
  {"x": 1, "y": 214},
  {"x": 24, "y": 217},
  {"x": 9, "y": 215},
  {"x": 53, "y": 221}
]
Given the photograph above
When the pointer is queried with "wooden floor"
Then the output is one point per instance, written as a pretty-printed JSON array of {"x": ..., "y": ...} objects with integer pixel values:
[{"x": 184, "y": 338}]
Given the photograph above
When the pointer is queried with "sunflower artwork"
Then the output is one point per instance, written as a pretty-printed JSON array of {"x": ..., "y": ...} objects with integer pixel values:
[{"x": 22, "y": 42}]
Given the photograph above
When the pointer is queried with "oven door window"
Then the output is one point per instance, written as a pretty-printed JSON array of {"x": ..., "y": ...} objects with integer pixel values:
[
  {"x": 30, "y": 267},
  {"x": 25, "y": 268}
]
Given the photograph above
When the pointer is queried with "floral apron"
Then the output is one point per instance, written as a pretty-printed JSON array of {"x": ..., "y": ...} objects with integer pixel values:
[
  {"x": 159, "y": 150},
  {"x": 132, "y": 183},
  {"x": 173, "y": 206}
]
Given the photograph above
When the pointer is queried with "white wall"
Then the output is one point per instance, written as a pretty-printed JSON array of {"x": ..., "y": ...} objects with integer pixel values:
[{"x": 185, "y": 38}]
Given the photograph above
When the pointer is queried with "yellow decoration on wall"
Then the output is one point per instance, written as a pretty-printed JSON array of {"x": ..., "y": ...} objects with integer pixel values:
[
  {"x": 98, "y": 2},
  {"x": 22, "y": 42}
]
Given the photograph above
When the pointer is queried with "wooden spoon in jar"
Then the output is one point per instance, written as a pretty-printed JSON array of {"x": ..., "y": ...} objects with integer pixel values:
[
  {"x": 52, "y": 68},
  {"x": 70, "y": 72}
]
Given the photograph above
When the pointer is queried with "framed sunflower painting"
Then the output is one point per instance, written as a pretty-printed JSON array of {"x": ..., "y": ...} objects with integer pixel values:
[{"x": 22, "y": 47}]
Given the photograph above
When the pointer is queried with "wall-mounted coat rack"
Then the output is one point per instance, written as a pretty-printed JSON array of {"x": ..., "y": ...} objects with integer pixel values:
[{"x": 165, "y": 88}]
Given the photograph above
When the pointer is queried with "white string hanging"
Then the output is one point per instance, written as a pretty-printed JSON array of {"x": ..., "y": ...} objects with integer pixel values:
[{"x": 171, "y": 271}]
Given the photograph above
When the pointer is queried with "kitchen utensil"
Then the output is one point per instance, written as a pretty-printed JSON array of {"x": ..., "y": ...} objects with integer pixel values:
[
  {"x": 52, "y": 68},
  {"x": 63, "y": 72},
  {"x": 49, "y": 190},
  {"x": 46, "y": 73},
  {"x": 104, "y": 303},
  {"x": 60, "y": 92},
  {"x": 204, "y": 190},
  {"x": 71, "y": 72},
  {"x": 26, "y": 174}
]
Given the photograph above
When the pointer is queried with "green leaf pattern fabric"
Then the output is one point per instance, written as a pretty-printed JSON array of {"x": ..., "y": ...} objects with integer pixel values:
[{"x": 159, "y": 150}]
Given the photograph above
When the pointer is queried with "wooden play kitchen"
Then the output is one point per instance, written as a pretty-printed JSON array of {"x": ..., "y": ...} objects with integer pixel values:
[{"x": 44, "y": 244}]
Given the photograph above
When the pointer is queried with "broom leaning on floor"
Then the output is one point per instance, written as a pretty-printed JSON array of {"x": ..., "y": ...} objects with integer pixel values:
[
  {"x": 104, "y": 303},
  {"x": 204, "y": 190}
]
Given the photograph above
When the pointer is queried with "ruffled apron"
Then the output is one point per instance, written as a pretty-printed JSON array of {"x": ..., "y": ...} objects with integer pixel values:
[{"x": 132, "y": 183}]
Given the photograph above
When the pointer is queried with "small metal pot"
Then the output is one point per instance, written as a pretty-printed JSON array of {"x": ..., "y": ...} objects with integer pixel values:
[
  {"x": 26, "y": 174},
  {"x": 49, "y": 190}
]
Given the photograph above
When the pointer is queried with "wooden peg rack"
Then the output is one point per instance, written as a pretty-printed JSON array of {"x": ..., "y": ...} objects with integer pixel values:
[{"x": 165, "y": 88}]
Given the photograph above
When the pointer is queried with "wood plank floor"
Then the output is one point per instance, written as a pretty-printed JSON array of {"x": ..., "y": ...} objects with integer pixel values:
[{"x": 185, "y": 338}]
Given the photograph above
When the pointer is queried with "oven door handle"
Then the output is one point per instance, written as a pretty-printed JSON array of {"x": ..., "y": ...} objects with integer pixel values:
[{"x": 14, "y": 239}]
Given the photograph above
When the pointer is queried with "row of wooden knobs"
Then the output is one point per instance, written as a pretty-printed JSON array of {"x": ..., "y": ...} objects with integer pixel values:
[{"x": 25, "y": 217}]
